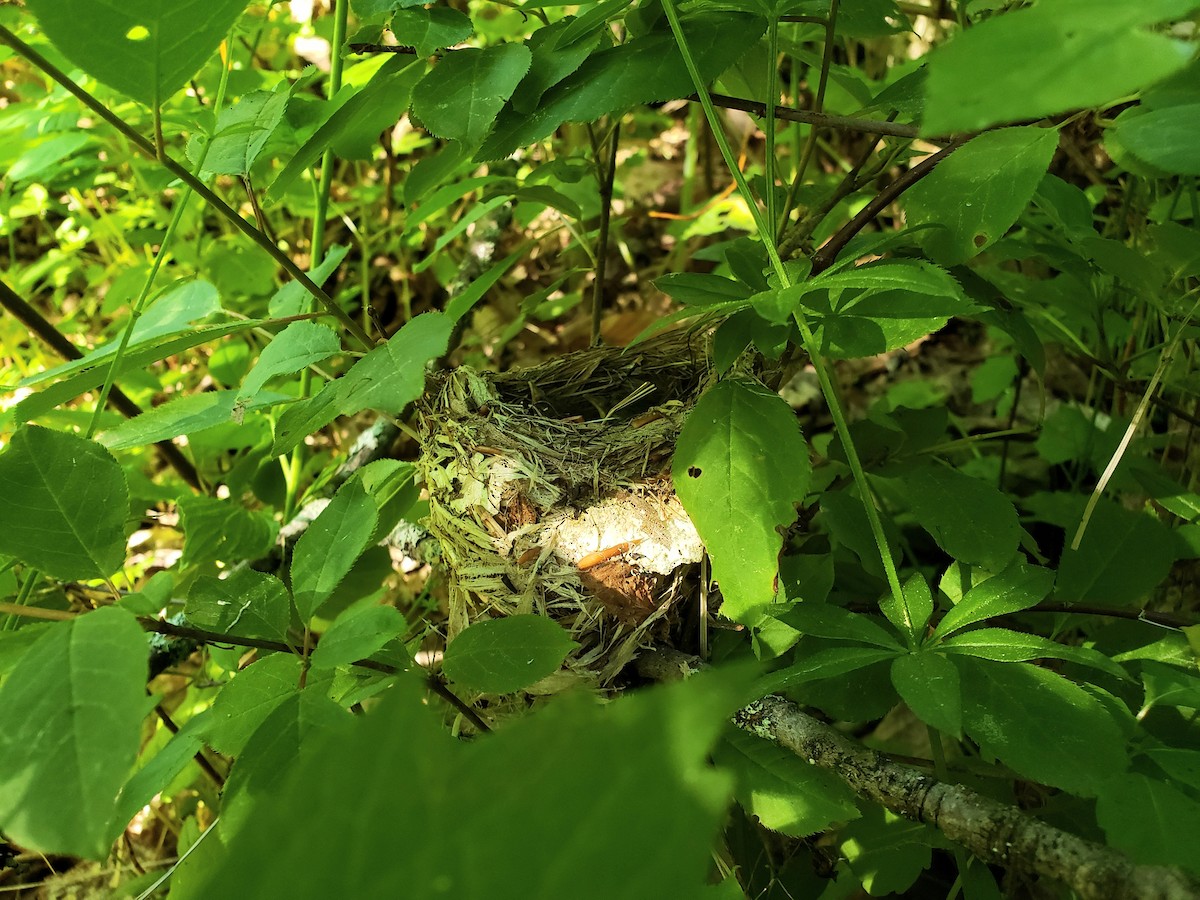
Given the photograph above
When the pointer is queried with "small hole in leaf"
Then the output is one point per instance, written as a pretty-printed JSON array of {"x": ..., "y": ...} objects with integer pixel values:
[
  {"x": 693, "y": 471},
  {"x": 137, "y": 33},
  {"x": 980, "y": 240}
]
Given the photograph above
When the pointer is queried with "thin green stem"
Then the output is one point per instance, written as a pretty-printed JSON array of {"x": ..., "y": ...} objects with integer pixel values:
[
  {"x": 180, "y": 172},
  {"x": 828, "y": 390},
  {"x": 605, "y": 177},
  {"x": 769, "y": 130}
]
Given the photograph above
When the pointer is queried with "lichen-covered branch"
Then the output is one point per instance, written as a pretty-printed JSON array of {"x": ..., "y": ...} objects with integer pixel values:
[{"x": 993, "y": 831}]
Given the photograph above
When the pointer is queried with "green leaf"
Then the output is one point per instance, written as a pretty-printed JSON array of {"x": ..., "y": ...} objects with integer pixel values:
[
  {"x": 822, "y": 664},
  {"x": 1168, "y": 686},
  {"x": 1041, "y": 725},
  {"x": 156, "y": 775},
  {"x": 827, "y": 621},
  {"x": 783, "y": 791},
  {"x": 388, "y": 379},
  {"x": 499, "y": 656},
  {"x": 189, "y": 414},
  {"x": 975, "y": 195},
  {"x": 390, "y": 88},
  {"x": 356, "y": 635},
  {"x": 1165, "y": 138},
  {"x": 740, "y": 467},
  {"x": 72, "y": 717},
  {"x": 1152, "y": 822},
  {"x": 328, "y": 548},
  {"x": 223, "y": 530},
  {"x": 147, "y": 49},
  {"x": 1003, "y": 645},
  {"x": 249, "y": 603},
  {"x": 1100, "y": 572},
  {"x": 1017, "y": 587},
  {"x": 552, "y": 61},
  {"x": 647, "y": 752},
  {"x": 250, "y": 696},
  {"x": 292, "y": 299},
  {"x": 968, "y": 518},
  {"x": 1049, "y": 59},
  {"x": 241, "y": 134},
  {"x": 460, "y": 98},
  {"x": 65, "y": 503},
  {"x": 917, "y": 606},
  {"x": 430, "y": 29},
  {"x": 885, "y": 852},
  {"x": 929, "y": 684},
  {"x": 695, "y": 289},
  {"x": 298, "y": 346},
  {"x": 642, "y": 70}
]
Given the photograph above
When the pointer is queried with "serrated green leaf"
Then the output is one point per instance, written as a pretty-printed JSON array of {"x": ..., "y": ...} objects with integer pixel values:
[
  {"x": 740, "y": 467},
  {"x": 695, "y": 289},
  {"x": 72, "y": 713},
  {"x": 298, "y": 346},
  {"x": 249, "y": 697},
  {"x": 915, "y": 608},
  {"x": 1048, "y": 59},
  {"x": 249, "y": 603},
  {"x": 1152, "y": 822},
  {"x": 1168, "y": 686},
  {"x": 292, "y": 299},
  {"x": 1003, "y": 645},
  {"x": 1099, "y": 571},
  {"x": 1041, "y": 725},
  {"x": 823, "y": 664},
  {"x": 65, "y": 502},
  {"x": 460, "y": 98},
  {"x": 430, "y": 29},
  {"x": 786, "y": 793},
  {"x": 328, "y": 548},
  {"x": 223, "y": 530},
  {"x": 241, "y": 134},
  {"x": 641, "y": 70},
  {"x": 968, "y": 518},
  {"x": 929, "y": 684},
  {"x": 976, "y": 194},
  {"x": 551, "y": 62},
  {"x": 499, "y": 656},
  {"x": 827, "y": 621},
  {"x": 189, "y": 414},
  {"x": 147, "y": 49},
  {"x": 1164, "y": 138},
  {"x": 1018, "y": 587},
  {"x": 356, "y": 635}
]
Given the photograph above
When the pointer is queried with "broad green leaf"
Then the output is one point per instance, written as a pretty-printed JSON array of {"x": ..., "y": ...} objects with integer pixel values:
[
  {"x": 428, "y": 29},
  {"x": 1164, "y": 138},
  {"x": 1003, "y": 645},
  {"x": 551, "y": 62},
  {"x": 1048, "y": 59},
  {"x": 1041, "y": 725},
  {"x": 356, "y": 635},
  {"x": 1181, "y": 763},
  {"x": 299, "y": 345},
  {"x": 330, "y": 545},
  {"x": 292, "y": 299},
  {"x": 929, "y": 684},
  {"x": 223, "y": 530},
  {"x": 249, "y": 603},
  {"x": 915, "y": 608},
  {"x": 647, "y": 752},
  {"x": 641, "y": 70},
  {"x": 158, "y": 772},
  {"x": 388, "y": 379},
  {"x": 291, "y": 729},
  {"x": 823, "y": 664},
  {"x": 740, "y": 467},
  {"x": 72, "y": 715},
  {"x": 189, "y": 414},
  {"x": 241, "y": 134},
  {"x": 975, "y": 195},
  {"x": 390, "y": 88},
  {"x": 461, "y": 304},
  {"x": 1100, "y": 571},
  {"x": 591, "y": 18},
  {"x": 499, "y": 656},
  {"x": 147, "y": 49},
  {"x": 460, "y": 98},
  {"x": 40, "y": 156},
  {"x": 65, "y": 503},
  {"x": 1168, "y": 686},
  {"x": 1018, "y": 587},
  {"x": 968, "y": 518},
  {"x": 885, "y": 852},
  {"x": 785, "y": 793},
  {"x": 1152, "y": 822},
  {"x": 248, "y": 698},
  {"x": 827, "y": 621},
  {"x": 695, "y": 289}
]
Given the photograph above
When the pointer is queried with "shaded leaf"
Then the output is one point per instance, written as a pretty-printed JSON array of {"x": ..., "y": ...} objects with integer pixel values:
[
  {"x": 929, "y": 684},
  {"x": 330, "y": 545},
  {"x": 356, "y": 635},
  {"x": 241, "y": 134},
  {"x": 1153, "y": 822},
  {"x": 460, "y": 98},
  {"x": 499, "y": 656},
  {"x": 249, "y": 697},
  {"x": 223, "y": 530},
  {"x": 249, "y": 603}
]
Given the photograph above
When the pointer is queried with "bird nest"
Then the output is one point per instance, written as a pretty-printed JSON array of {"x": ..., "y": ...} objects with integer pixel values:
[{"x": 550, "y": 493}]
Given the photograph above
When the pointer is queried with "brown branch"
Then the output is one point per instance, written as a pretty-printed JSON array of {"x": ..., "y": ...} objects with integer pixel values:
[
  {"x": 824, "y": 257},
  {"x": 996, "y": 833},
  {"x": 823, "y": 120},
  {"x": 36, "y": 323}
]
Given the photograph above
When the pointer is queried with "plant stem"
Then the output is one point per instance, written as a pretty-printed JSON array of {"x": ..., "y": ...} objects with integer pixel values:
[
  {"x": 606, "y": 180},
  {"x": 230, "y": 214},
  {"x": 828, "y": 390}
]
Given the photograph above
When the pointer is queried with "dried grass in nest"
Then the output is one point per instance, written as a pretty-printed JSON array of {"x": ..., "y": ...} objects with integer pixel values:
[{"x": 549, "y": 490}]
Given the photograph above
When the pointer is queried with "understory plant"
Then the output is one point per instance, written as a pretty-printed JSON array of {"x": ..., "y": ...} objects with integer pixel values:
[{"x": 941, "y": 263}]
